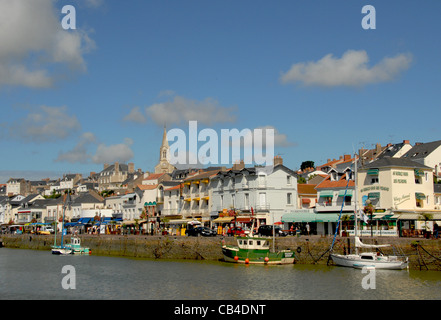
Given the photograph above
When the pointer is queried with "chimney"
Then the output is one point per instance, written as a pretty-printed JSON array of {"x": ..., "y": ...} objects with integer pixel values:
[
  {"x": 131, "y": 167},
  {"x": 347, "y": 157},
  {"x": 106, "y": 165},
  {"x": 116, "y": 167},
  {"x": 239, "y": 165},
  {"x": 378, "y": 148},
  {"x": 406, "y": 142},
  {"x": 278, "y": 160}
]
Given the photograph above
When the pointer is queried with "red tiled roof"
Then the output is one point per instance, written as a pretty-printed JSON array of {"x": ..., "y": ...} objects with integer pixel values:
[{"x": 341, "y": 183}]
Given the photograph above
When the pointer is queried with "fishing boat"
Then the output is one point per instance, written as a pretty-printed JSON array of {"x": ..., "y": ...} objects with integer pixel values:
[
  {"x": 256, "y": 250},
  {"x": 75, "y": 246},
  {"x": 372, "y": 259},
  {"x": 252, "y": 249}
]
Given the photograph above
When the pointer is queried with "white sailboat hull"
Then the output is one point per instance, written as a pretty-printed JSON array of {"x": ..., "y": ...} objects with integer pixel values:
[
  {"x": 61, "y": 251},
  {"x": 370, "y": 260}
]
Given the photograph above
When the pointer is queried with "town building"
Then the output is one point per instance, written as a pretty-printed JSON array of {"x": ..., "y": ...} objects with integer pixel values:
[
  {"x": 428, "y": 154},
  {"x": 253, "y": 191},
  {"x": 18, "y": 186},
  {"x": 401, "y": 192},
  {"x": 114, "y": 176}
]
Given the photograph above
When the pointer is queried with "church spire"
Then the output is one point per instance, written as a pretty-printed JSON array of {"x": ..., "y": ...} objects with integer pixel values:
[{"x": 164, "y": 139}]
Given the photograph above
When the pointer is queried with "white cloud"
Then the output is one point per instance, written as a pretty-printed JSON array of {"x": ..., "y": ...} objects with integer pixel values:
[
  {"x": 135, "y": 115},
  {"x": 121, "y": 152},
  {"x": 33, "y": 43},
  {"x": 79, "y": 153},
  {"x": 117, "y": 152},
  {"x": 350, "y": 70},
  {"x": 181, "y": 110},
  {"x": 45, "y": 124}
]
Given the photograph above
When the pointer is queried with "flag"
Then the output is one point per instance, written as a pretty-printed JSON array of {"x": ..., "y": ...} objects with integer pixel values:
[{"x": 363, "y": 216}]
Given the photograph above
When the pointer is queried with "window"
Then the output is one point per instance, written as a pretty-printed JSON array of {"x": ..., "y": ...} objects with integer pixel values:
[
  {"x": 289, "y": 198},
  {"x": 288, "y": 180},
  {"x": 374, "y": 180},
  {"x": 247, "y": 200}
]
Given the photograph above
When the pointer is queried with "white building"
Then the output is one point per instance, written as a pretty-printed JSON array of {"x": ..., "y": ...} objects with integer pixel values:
[{"x": 251, "y": 190}]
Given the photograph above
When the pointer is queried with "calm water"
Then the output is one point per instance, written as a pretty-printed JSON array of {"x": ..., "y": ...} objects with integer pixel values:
[{"x": 27, "y": 274}]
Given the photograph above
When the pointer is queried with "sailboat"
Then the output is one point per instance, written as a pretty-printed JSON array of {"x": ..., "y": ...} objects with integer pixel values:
[
  {"x": 62, "y": 249},
  {"x": 372, "y": 259}
]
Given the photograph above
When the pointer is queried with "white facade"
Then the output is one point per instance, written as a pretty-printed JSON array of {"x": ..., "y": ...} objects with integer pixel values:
[{"x": 269, "y": 195}]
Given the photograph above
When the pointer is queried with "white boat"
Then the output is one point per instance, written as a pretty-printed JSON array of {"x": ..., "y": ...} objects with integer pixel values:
[
  {"x": 59, "y": 250},
  {"x": 373, "y": 259}
]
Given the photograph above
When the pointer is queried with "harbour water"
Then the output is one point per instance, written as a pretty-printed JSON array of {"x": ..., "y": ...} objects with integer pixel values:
[{"x": 31, "y": 274}]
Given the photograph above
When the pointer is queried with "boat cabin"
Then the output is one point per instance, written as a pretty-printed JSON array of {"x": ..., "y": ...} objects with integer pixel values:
[{"x": 253, "y": 243}]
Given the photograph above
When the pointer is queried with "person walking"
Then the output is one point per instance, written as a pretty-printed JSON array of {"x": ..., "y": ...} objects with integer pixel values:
[
  {"x": 307, "y": 228},
  {"x": 435, "y": 230}
]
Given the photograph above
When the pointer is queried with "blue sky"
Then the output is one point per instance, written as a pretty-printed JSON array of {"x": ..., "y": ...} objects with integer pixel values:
[{"x": 74, "y": 99}]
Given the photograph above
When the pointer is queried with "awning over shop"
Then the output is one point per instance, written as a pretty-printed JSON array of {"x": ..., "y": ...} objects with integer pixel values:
[
  {"x": 243, "y": 219},
  {"x": 341, "y": 193},
  {"x": 410, "y": 216},
  {"x": 306, "y": 201},
  {"x": 223, "y": 219},
  {"x": 373, "y": 172},
  {"x": 299, "y": 217},
  {"x": 374, "y": 195},
  {"x": 178, "y": 221},
  {"x": 327, "y": 217},
  {"x": 326, "y": 194},
  {"x": 420, "y": 196}
]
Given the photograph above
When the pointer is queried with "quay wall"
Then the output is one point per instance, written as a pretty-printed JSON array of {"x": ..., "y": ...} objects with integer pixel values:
[{"x": 424, "y": 254}]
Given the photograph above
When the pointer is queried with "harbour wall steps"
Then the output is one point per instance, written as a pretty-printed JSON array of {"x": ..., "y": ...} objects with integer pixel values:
[{"x": 424, "y": 254}]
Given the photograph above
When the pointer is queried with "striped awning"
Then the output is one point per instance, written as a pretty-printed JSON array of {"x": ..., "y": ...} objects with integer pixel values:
[
  {"x": 326, "y": 194},
  {"x": 341, "y": 193},
  {"x": 374, "y": 195}
]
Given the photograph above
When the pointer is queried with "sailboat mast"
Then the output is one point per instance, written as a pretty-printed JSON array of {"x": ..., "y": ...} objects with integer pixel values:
[{"x": 356, "y": 204}]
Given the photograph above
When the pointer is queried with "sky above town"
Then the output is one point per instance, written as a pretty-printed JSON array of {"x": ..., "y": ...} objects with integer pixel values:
[{"x": 74, "y": 99}]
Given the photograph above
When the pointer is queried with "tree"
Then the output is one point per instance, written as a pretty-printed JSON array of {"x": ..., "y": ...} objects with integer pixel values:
[{"x": 306, "y": 165}]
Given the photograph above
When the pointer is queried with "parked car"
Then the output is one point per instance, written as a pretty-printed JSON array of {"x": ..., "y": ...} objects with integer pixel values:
[
  {"x": 236, "y": 231},
  {"x": 45, "y": 230},
  {"x": 267, "y": 230},
  {"x": 200, "y": 231}
]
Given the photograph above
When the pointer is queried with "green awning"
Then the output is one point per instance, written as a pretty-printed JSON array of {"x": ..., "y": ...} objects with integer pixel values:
[
  {"x": 420, "y": 196},
  {"x": 374, "y": 195},
  {"x": 327, "y": 217},
  {"x": 326, "y": 194},
  {"x": 341, "y": 193},
  {"x": 299, "y": 217},
  {"x": 373, "y": 172}
]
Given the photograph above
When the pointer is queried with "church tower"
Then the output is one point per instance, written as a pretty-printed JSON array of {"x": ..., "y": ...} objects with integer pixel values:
[{"x": 164, "y": 165}]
